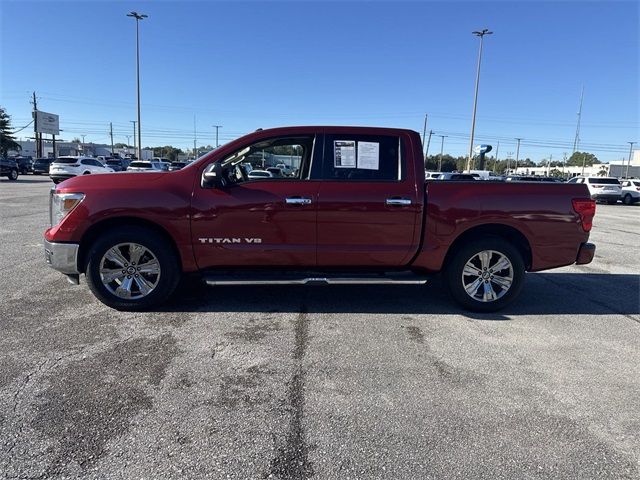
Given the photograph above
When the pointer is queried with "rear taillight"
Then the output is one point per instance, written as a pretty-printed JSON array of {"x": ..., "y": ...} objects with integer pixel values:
[{"x": 586, "y": 208}]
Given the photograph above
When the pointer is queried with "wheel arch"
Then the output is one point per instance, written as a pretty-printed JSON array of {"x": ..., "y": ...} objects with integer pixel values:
[
  {"x": 95, "y": 230},
  {"x": 506, "y": 232}
]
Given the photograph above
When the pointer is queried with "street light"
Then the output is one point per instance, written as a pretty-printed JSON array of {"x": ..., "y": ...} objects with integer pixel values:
[
  {"x": 138, "y": 17},
  {"x": 480, "y": 34}
]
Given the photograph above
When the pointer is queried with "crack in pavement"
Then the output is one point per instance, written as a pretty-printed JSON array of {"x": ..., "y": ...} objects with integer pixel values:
[{"x": 292, "y": 460}]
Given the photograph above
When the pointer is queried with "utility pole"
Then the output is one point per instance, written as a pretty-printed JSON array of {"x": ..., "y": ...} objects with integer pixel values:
[
  {"x": 549, "y": 164},
  {"x": 495, "y": 160},
  {"x": 111, "y": 135},
  {"x": 480, "y": 34},
  {"x": 576, "y": 141},
  {"x": 564, "y": 160},
  {"x": 424, "y": 130},
  {"x": 194, "y": 137},
  {"x": 626, "y": 175},
  {"x": 217, "y": 127},
  {"x": 36, "y": 136},
  {"x": 517, "y": 153},
  {"x": 428, "y": 142},
  {"x": 134, "y": 136},
  {"x": 441, "y": 150}
]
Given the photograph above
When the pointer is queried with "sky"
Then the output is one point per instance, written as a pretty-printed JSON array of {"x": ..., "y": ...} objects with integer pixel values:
[{"x": 260, "y": 64}]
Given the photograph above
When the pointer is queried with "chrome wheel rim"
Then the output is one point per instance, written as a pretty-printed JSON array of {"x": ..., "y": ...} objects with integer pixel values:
[
  {"x": 129, "y": 271},
  {"x": 487, "y": 276}
]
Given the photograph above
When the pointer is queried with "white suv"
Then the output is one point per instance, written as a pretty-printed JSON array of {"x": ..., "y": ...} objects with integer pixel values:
[
  {"x": 630, "y": 191},
  {"x": 67, "y": 167},
  {"x": 606, "y": 189}
]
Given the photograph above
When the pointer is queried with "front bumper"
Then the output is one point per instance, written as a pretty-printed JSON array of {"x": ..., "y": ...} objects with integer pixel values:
[
  {"x": 585, "y": 253},
  {"x": 62, "y": 256}
]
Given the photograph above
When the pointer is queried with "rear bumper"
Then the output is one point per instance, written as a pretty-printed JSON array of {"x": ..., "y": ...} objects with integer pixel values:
[
  {"x": 62, "y": 176},
  {"x": 606, "y": 196},
  {"x": 585, "y": 253},
  {"x": 62, "y": 256}
]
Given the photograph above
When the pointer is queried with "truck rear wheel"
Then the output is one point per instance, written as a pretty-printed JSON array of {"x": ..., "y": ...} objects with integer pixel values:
[
  {"x": 132, "y": 269},
  {"x": 485, "y": 275}
]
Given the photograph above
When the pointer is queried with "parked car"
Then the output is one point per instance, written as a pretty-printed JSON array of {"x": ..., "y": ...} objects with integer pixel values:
[
  {"x": 457, "y": 176},
  {"x": 630, "y": 191},
  {"x": 286, "y": 169},
  {"x": 276, "y": 172},
  {"x": 335, "y": 224},
  {"x": 146, "y": 166},
  {"x": 177, "y": 166},
  {"x": 25, "y": 164},
  {"x": 41, "y": 166},
  {"x": 258, "y": 174},
  {"x": 63, "y": 168},
  {"x": 531, "y": 178},
  {"x": 606, "y": 189},
  {"x": 9, "y": 168},
  {"x": 118, "y": 164}
]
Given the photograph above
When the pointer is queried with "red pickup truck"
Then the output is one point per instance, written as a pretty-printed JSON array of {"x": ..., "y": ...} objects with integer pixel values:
[{"x": 354, "y": 208}]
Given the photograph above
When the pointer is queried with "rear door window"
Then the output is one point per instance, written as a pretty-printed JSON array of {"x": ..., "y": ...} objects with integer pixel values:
[{"x": 373, "y": 158}]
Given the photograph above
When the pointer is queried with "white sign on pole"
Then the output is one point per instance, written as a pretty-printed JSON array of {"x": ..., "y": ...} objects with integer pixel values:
[{"x": 47, "y": 123}]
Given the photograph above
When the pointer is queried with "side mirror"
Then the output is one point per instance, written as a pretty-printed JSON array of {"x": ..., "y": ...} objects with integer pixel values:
[{"x": 212, "y": 177}]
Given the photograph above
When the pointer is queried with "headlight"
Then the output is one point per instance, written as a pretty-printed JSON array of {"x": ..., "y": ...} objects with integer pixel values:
[{"x": 60, "y": 204}]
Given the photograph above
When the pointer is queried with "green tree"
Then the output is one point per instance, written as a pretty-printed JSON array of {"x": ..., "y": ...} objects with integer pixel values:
[
  {"x": 7, "y": 140},
  {"x": 577, "y": 159}
]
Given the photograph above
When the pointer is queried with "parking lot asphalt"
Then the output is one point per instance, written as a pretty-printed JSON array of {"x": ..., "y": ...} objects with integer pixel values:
[{"x": 319, "y": 382}]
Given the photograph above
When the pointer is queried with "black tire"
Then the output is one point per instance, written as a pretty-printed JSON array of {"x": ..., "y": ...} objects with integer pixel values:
[
  {"x": 87, "y": 173},
  {"x": 627, "y": 200},
  {"x": 169, "y": 276},
  {"x": 455, "y": 280},
  {"x": 13, "y": 175},
  {"x": 56, "y": 180}
]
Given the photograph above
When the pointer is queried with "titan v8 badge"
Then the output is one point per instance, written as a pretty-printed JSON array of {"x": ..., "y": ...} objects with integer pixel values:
[{"x": 230, "y": 240}]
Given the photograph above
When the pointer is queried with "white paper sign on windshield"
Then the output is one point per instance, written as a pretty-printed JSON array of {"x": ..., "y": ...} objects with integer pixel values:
[
  {"x": 344, "y": 154},
  {"x": 369, "y": 155}
]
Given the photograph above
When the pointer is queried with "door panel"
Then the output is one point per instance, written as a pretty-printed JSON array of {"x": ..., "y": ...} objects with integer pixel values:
[
  {"x": 363, "y": 222},
  {"x": 252, "y": 224}
]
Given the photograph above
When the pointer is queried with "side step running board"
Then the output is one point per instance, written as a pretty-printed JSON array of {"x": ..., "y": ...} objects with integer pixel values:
[{"x": 314, "y": 279}]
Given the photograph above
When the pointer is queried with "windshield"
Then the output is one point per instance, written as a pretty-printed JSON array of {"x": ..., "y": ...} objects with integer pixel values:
[{"x": 140, "y": 164}]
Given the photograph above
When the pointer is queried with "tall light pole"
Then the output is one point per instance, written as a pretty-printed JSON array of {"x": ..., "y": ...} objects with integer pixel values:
[
  {"x": 480, "y": 34},
  {"x": 626, "y": 175},
  {"x": 138, "y": 17},
  {"x": 134, "y": 137},
  {"x": 217, "y": 127},
  {"x": 441, "y": 150}
]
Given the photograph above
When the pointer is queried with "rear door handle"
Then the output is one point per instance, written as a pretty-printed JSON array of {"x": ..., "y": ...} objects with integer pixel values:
[
  {"x": 297, "y": 201},
  {"x": 398, "y": 202}
]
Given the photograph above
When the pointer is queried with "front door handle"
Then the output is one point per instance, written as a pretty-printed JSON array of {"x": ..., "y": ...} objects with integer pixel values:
[
  {"x": 297, "y": 201},
  {"x": 398, "y": 202}
]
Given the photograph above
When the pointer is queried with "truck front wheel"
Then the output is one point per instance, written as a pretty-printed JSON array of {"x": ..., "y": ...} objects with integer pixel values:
[
  {"x": 485, "y": 275},
  {"x": 132, "y": 269}
]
